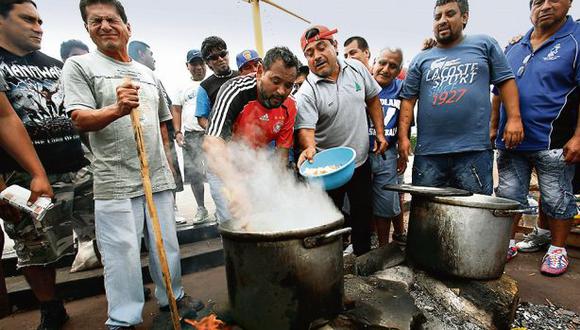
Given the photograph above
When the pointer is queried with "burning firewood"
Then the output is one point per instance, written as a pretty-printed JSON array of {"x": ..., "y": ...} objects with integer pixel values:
[{"x": 210, "y": 322}]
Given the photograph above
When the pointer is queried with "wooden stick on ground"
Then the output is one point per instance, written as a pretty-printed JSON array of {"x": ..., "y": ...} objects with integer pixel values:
[{"x": 138, "y": 131}]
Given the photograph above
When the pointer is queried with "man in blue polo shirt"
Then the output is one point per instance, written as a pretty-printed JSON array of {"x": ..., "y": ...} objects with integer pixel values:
[
  {"x": 546, "y": 64},
  {"x": 451, "y": 83}
]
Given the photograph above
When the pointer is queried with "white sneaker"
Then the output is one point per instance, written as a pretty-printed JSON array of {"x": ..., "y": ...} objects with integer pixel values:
[
  {"x": 534, "y": 241},
  {"x": 180, "y": 220},
  {"x": 201, "y": 216}
]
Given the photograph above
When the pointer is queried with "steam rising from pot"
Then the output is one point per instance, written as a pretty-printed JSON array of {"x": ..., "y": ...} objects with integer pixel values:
[{"x": 266, "y": 197}]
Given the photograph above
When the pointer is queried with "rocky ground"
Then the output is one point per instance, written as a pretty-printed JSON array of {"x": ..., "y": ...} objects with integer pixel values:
[{"x": 545, "y": 317}]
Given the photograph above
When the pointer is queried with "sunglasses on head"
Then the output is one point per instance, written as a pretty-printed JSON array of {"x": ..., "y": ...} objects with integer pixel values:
[{"x": 215, "y": 56}]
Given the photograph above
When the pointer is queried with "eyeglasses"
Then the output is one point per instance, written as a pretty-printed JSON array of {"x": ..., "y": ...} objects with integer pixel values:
[
  {"x": 97, "y": 21},
  {"x": 525, "y": 62},
  {"x": 215, "y": 56}
]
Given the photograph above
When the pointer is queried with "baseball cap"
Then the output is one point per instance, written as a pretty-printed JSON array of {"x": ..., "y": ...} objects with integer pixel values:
[
  {"x": 246, "y": 56},
  {"x": 193, "y": 54},
  {"x": 323, "y": 34}
]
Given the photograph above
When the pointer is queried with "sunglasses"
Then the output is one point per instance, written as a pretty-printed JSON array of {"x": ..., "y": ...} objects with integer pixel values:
[
  {"x": 217, "y": 55},
  {"x": 525, "y": 62}
]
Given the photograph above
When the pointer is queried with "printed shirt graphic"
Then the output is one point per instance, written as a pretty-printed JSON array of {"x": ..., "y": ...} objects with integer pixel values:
[
  {"x": 548, "y": 84},
  {"x": 238, "y": 115},
  {"x": 3, "y": 84},
  {"x": 453, "y": 86},
  {"x": 90, "y": 83},
  {"x": 391, "y": 104},
  {"x": 34, "y": 92}
]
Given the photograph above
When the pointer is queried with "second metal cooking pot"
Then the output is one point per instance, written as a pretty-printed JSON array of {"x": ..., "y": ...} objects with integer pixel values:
[
  {"x": 464, "y": 236},
  {"x": 284, "y": 280}
]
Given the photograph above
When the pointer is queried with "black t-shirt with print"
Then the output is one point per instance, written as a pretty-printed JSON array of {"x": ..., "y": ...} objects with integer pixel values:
[{"x": 35, "y": 94}]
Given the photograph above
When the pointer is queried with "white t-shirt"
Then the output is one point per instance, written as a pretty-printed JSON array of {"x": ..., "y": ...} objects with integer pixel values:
[{"x": 186, "y": 98}]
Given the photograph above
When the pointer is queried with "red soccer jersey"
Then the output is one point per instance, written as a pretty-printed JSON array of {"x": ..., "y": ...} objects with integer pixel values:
[
  {"x": 237, "y": 114},
  {"x": 259, "y": 126}
]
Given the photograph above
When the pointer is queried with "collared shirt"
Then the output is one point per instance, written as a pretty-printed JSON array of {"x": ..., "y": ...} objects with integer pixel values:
[
  {"x": 336, "y": 110},
  {"x": 452, "y": 86},
  {"x": 238, "y": 115},
  {"x": 548, "y": 80},
  {"x": 90, "y": 83},
  {"x": 187, "y": 100}
]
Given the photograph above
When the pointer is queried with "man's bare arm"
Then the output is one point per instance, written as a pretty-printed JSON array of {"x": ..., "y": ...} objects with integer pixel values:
[
  {"x": 514, "y": 129},
  {"x": 95, "y": 120},
  {"x": 375, "y": 112},
  {"x": 166, "y": 146},
  {"x": 572, "y": 147},
  {"x": 15, "y": 140},
  {"x": 176, "y": 111},
  {"x": 203, "y": 122},
  {"x": 405, "y": 119},
  {"x": 307, "y": 144}
]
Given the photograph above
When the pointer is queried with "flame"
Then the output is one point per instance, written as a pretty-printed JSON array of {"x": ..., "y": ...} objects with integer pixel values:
[{"x": 210, "y": 322}]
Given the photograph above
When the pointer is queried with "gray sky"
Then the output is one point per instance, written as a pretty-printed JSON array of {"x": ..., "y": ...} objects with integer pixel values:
[{"x": 172, "y": 27}]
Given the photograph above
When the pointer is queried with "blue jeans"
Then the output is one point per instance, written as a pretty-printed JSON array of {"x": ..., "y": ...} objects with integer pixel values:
[
  {"x": 119, "y": 226},
  {"x": 385, "y": 202},
  {"x": 554, "y": 176},
  {"x": 221, "y": 204},
  {"x": 471, "y": 171}
]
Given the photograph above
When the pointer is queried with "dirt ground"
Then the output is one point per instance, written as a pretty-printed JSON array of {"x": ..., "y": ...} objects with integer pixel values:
[{"x": 90, "y": 313}]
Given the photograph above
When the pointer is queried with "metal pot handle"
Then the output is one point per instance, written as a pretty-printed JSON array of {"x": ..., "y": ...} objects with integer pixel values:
[
  {"x": 315, "y": 241},
  {"x": 508, "y": 213}
]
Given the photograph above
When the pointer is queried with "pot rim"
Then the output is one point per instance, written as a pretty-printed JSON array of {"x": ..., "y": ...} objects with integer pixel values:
[
  {"x": 228, "y": 232},
  {"x": 475, "y": 201}
]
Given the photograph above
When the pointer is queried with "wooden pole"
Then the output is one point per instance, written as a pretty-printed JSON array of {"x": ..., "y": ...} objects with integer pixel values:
[
  {"x": 257, "y": 27},
  {"x": 138, "y": 131}
]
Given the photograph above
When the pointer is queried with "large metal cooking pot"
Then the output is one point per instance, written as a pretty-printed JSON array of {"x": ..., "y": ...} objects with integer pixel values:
[
  {"x": 465, "y": 236},
  {"x": 284, "y": 280}
]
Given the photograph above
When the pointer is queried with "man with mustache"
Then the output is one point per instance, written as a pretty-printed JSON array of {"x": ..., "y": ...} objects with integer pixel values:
[
  {"x": 333, "y": 104},
  {"x": 99, "y": 99},
  {"x": 451, "y": 83},
  {"x": 545, "y": 61},
  {"x": 255, "y": 109}
]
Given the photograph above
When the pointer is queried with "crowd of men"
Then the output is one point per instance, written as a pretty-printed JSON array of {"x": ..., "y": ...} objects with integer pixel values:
[{"x": 55, "y": 118}]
